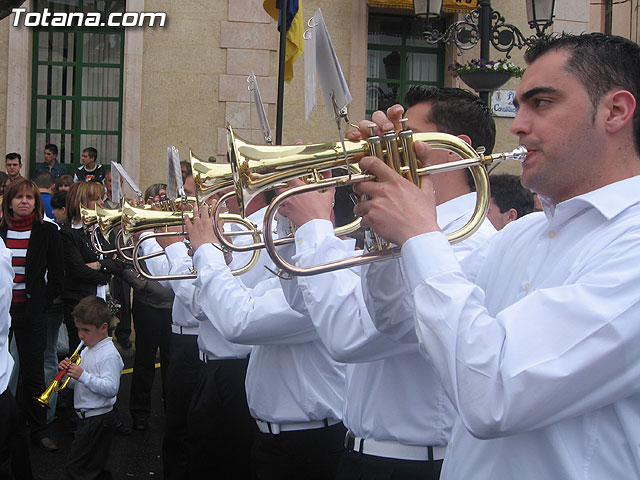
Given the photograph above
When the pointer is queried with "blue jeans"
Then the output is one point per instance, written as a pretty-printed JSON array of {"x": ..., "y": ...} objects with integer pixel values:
[{"x": 54, "y": 320}]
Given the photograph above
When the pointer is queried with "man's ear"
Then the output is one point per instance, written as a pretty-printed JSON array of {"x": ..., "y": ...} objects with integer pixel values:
[
  {"x": 512, "y": 214},
  {"x": 466, "y": 138},
  {"x": 620, "y": 107}
]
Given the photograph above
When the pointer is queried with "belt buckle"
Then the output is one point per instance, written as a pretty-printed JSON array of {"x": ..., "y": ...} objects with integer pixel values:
[{"x": 349, "y": 441}]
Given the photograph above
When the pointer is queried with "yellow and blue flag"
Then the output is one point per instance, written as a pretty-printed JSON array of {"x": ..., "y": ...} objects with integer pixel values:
[{"x": 295, "y": 30}]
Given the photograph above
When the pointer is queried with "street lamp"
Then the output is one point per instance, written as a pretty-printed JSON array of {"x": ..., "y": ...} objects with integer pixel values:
[{"x": 485, "y": 25}]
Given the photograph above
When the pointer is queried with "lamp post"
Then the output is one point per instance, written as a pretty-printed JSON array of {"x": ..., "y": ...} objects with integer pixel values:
[{"x": 487, "y": 27}]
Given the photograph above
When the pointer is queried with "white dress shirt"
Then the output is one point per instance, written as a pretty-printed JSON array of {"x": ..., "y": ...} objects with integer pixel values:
[
  {"x": 180, "y": 312},
  {"x": 6, "y": 279},
  {"x": 98, "y": 385},
  {"x": 259, "y": 272},
  {"x": 291, "y": 377},
  {"x": 392, "y": 393},
  {"x": 537, "y": 340},
  {"x": 186, "y": 309}
]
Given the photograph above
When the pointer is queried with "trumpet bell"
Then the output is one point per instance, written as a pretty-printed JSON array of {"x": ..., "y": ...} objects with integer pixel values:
[
  {"x": 209, "y": 177},
  {"x": 88, "y": 217},
  {"x": 45, "y": 398},
  {"x": 108, "y": 219}
]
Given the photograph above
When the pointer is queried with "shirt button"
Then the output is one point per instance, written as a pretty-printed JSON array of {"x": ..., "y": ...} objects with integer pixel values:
[
  {"x": 552, "y": 233},
  {"x": 526, "y": 286}
]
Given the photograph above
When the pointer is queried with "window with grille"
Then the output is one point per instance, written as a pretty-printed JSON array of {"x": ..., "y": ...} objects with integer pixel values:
[
  {"x": 398, "y": 57},
  {"x": 77, "y": 86}
]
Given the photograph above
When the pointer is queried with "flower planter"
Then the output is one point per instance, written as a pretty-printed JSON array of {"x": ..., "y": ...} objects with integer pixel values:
[{"x": 485, "y": 81}]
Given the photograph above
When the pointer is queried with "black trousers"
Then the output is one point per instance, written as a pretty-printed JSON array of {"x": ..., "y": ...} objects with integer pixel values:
[
  {"x": 181, "y": 381},
  {"x": 90, "y": 448},
  {"x": 74, "y": 340},
  {"x": 309, "y": 454},
  {"x": 121, "y": 291},
  {"x": 15, "y": 461},
  {"x": 153, "y": 330},
  {"x": 221, "y": 430},
  {"x": 31, "y": 340},
  {"x": 355, "y": 465}
]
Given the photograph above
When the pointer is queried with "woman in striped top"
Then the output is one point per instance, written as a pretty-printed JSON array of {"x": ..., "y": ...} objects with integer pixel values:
[{"x": 38, "y": 267}]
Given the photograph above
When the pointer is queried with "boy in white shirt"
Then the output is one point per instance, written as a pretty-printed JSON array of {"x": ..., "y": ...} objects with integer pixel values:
[{"x": 95, "y": 381}]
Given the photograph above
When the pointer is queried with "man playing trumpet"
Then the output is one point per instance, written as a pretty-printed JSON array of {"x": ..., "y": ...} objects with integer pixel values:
[
  {"x": 535, "y": 335},
  {"x": 397, "y": 413}
]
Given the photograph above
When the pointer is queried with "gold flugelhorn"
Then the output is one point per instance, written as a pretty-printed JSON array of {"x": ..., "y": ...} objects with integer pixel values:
[
  {"x": 107, "y": 220},
  {"x": 397, "y": 151},
  {"x": 209, "y": 178},
  {"x": 88, "y": 217},
  {"x": 55, "y": 386},
  {"x": 136, "y": 219}
]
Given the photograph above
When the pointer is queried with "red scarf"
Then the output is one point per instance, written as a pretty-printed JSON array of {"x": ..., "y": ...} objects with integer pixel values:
[
  {"x": 19, "y": 261},
  {"x": 21, "y": 224}
]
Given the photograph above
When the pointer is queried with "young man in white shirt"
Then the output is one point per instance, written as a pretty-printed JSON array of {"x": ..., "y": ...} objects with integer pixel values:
[
  {"x": 535, "y": 336},
  {"x": 398, "y": 416}
]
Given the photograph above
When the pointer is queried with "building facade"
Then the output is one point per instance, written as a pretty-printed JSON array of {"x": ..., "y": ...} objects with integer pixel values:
[{"x": 132, "y": 91}]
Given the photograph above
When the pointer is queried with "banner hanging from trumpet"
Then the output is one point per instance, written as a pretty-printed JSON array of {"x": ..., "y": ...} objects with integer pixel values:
[
  {"x": 327, "y": 67},
  {"x": 175, "y": 187}
]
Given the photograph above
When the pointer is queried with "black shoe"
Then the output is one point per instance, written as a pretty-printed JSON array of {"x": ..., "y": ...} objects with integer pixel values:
[
  {"x": 140, "y": 425},
  {"x": 46, "y": 444},
  {"x": 122, "y": 430}
]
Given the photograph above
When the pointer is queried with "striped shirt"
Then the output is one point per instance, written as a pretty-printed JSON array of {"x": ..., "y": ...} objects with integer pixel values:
[{"x": 18, "y": 235}]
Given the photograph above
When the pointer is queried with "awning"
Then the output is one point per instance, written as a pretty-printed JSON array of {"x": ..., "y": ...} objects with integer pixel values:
[
  {"x": 450, "y": 6},
  {"x": 396, "y": 4},
  {"x": 459, "y": 6}
]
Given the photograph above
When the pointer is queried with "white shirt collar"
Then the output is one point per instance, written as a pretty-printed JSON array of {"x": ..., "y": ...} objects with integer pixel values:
[
  {"x": 455, "y": 208},
  {"x": 609, "y": 200}
]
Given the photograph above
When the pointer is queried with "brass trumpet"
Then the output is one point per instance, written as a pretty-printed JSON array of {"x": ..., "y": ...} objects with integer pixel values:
[
  {"x": 257, "y": 168},
  {"x": 137, "y": 219},
  {"x": 107, "y": 220},
  {"x": 55, "y": 386},
  {"x": 209, "y": 178},
  {"x": 88, "y": 217}
]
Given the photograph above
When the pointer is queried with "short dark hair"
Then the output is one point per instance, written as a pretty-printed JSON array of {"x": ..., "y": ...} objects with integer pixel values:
[
  {"x": 600, "y": 63},
  {"x": 188, "y": 165},
  {"x": 52, "y": 147},
  {"x": 457, "y": 112},
  {"x": 59, "y": 199},
  {"x": 13, "y": 156},
  {"x": 508, "y": 193},
  {"x": 12, "y": 191},
  {"x": 92, "y": 310},
  {"x": 92, "y": 152},
  {"x": 44, "y": 180}
]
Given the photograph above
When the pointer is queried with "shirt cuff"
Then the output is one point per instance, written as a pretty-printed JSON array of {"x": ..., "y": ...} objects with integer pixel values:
[
  {"x": 309, "y": 235},
  {"x": 84, "y": 378},
  {"x": 426, "y": 255},
  {"x": 206, "y": 255}
]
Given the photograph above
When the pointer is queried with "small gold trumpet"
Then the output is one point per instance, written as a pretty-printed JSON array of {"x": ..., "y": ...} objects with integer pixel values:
[{"x": 55, "y": 386}]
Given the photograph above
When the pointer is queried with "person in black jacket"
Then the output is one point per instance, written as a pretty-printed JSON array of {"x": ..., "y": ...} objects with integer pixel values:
[
  {"x": 36, "y": 248},
  {"x": 85, "y": 273}
]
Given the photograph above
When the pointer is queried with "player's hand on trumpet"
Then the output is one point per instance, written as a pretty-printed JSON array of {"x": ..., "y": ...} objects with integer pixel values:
[
  {"x": 384, "y": 122},
  {"x": 395, "y": 208},
  {"x": 302, "y": 208},
  {"x": 200, "y": 230}
]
